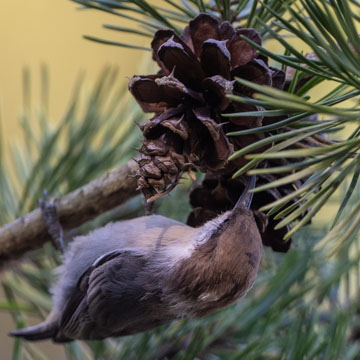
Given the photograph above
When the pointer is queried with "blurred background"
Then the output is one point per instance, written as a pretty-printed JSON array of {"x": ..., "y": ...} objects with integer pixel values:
[
  {"x": 50, "y": 33},
  {"x": 39, "y": 33}
]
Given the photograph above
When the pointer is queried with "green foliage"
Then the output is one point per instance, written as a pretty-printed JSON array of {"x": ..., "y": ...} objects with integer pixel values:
[
  {"x": 174, "y": 14},
  {"x": 328, "y": 28},
  {"x": 92, "y": 137}
]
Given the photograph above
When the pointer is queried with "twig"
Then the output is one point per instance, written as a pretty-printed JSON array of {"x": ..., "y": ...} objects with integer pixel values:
[{"x": 100, "y": 195}]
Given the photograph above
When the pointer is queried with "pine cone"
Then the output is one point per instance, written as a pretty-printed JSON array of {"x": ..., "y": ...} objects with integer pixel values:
[
  {"x": 218, "y": 193},
  {"x": 188, "y": 96}
]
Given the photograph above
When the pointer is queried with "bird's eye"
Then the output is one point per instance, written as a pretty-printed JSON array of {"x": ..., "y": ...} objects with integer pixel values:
[{"x": 226, "y": 221}]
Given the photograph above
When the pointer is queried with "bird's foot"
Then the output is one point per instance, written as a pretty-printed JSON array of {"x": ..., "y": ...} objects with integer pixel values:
[{"x": 51, "y": 220}]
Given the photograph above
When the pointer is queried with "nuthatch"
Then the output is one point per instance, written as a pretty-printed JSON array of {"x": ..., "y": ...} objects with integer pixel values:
[{"x": 134, "y": 275}]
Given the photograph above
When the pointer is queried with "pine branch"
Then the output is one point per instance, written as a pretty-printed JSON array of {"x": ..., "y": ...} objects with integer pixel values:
[
  {"x": 102, "y": 194},
  {"x": 146, "y": 18}
]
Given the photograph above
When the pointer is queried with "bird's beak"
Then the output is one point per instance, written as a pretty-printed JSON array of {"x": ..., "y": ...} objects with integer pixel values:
[{"x": 246, "y": 197}]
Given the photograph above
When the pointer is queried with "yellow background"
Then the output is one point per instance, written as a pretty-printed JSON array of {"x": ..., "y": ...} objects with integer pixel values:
[{"x": 33, "y": 33}]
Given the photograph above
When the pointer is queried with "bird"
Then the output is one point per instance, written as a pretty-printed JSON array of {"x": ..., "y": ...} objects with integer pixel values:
[{"x": 134, "y": 275}]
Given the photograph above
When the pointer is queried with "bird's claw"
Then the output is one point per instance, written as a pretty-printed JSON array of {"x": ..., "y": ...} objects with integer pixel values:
[{"x": 51, "y": 220}]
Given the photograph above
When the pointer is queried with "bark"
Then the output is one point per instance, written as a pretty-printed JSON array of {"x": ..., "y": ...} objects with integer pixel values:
[{"x": 74, "y": 209}]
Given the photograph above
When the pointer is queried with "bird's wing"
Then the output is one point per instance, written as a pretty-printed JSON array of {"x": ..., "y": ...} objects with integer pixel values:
[{"x": 108, "y": 298}]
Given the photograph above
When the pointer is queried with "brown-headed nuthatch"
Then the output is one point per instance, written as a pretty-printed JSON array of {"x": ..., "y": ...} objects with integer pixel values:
[{"x": 134, "y": 275}]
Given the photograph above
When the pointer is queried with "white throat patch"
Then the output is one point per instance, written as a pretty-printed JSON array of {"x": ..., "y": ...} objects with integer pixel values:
[{"x": 209, "y": 228}]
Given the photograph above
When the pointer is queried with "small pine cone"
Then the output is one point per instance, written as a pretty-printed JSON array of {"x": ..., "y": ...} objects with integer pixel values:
[{"x": 160, "y": 168}]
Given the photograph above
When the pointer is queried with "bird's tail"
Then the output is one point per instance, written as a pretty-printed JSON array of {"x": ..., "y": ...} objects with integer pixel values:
[{"x": 42, "y": 331}]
